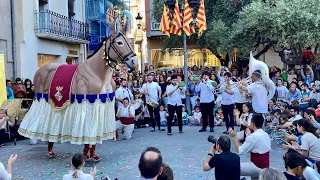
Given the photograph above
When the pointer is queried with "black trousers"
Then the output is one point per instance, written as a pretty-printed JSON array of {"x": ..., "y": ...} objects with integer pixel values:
[
  {"x": 178, "y": 110},
  {"x": 228, "y": 113},
  {"x": 207, "y": 110},
  {"x": 154, "y": 116},
  {"x": 6, "y": 136},
  {"x": 239, "y": 107}
]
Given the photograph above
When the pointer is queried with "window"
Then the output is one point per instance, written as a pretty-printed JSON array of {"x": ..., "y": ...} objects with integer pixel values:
[{"x": 42, "y": 4}]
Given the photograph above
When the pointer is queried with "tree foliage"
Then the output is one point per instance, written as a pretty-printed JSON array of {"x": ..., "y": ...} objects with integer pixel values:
[{"x": 246, "y": 24}]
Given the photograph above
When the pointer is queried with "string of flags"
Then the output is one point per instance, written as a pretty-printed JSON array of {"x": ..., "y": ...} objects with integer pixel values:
[{"x": 183, "y": 20}]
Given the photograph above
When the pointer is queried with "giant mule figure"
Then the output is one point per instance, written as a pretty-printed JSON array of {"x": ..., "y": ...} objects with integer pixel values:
[{"x": 75, "y": 103}]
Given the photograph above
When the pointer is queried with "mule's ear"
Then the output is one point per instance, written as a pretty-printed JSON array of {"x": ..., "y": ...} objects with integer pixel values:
[{"x": 124, "y": 24}]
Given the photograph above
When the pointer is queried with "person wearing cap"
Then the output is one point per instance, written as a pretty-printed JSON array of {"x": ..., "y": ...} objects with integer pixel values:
[
  {"x": 258, "y": 92},
  {"x": 206, "y": 90},
  {"x": 227, "y": 102}
]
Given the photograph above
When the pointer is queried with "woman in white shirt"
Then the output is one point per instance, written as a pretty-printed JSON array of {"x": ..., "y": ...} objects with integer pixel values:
[
  {"x": 244, "y": 120},
  {"x": 77, "y": 163},
  {"x": 310, "y": 142}
]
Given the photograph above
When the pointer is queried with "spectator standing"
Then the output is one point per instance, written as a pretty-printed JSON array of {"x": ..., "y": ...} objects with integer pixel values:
[
  {"x": 19, "y": 89},
  {"x": 10, "y": 93},
  {"x": 123, "y": 92},
  {"x": 282, "y": 91}
]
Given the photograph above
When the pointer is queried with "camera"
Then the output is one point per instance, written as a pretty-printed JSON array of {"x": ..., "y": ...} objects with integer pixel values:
[{"x": 212, "y": 139}]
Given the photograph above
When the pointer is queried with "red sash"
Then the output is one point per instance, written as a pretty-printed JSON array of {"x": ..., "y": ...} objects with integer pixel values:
[
  {"x": 260, "y": 160},
  {"x": 60, "y": 87},
  {"x": 127, "y": 121}
]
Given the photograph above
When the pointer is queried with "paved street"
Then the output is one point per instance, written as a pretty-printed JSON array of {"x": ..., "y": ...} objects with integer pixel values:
[{"x": 183, "y": 152}]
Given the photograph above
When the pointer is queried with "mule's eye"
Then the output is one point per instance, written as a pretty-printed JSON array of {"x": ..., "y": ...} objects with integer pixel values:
[{"x": 120, "y": 43}]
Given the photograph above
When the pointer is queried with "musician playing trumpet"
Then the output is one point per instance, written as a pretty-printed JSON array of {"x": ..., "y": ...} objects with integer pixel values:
[
  {"x": 258, "y": 92},
  {"x": 227, "y": 102}
]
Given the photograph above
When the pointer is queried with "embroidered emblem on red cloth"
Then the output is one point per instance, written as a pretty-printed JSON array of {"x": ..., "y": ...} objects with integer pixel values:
[{"x": 60, "y": 87}]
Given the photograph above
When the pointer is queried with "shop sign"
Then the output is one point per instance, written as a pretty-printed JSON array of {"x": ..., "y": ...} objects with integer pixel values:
[{"x": 72, "y": 52}]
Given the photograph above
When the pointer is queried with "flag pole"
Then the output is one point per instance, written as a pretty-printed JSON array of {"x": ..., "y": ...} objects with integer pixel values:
[{"x": 185, "y": 65}]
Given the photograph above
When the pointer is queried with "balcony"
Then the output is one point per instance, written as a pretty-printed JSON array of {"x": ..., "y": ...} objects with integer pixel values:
[{"x": 54, "y": 26}]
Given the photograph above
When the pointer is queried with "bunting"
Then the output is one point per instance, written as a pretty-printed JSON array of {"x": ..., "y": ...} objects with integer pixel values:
[
  {"x": 176, "y": 21},
  {"x": 201, "y": 19},
  {"x": 165, "y": 21},
  {"x": 187, "y": 19}
]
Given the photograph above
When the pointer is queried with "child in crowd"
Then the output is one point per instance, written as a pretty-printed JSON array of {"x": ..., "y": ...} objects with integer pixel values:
[
  {"x": 5, "y": 125},
  {"x": 185, "y": 116},
  {"x": 163, "y": 117},
  {"x": 196, "y": 117},
  {"x": 218, "y": 121}
]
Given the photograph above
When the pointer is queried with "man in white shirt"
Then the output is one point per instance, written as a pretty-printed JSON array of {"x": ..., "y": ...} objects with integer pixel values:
[
  {"x": 123, "y": 92},
  {"x": 282, "y": 91},
  {"x": 227, "y": 102},
  {"x": 258, "y": 144},
  {"x": 183, "y": 90},
  {"x": 259, "y": 93},
  {"x": 206, "y": 90},
  {"x": 152, "y": 92},
  {"x": 174, "y": 103}
]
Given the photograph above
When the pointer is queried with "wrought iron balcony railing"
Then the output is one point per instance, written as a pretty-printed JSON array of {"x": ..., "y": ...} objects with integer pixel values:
[{"x": 55, "y": 26}]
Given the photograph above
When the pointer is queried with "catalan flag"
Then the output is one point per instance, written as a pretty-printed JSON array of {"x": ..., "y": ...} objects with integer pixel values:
[
  {"x": 201, "y": 19},
  {"x": 165, "y": 21},
  {"x": 187, "y": 18},
  {"x": 176, "y": 21}
]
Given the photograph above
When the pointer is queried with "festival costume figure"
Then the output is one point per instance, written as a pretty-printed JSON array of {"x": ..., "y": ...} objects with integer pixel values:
[{"x": 75, "y": 103}]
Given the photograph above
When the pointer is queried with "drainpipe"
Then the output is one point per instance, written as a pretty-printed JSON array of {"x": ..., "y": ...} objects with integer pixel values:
[{"x": 13, "y": 37}]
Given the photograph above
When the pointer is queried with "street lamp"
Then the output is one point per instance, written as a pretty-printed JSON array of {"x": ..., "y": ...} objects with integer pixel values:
[{"x": 139, "y": 18}]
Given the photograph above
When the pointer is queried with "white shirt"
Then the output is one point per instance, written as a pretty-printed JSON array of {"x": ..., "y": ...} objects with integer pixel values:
[
  {"x": 174, "y": 98},
  {"x": 153, "y": 89},
  {"x": 238, "y": 97},
  {"x": 197, "y": 116},
  {"x": 249, "y": 115},
  {"x": 122, "y": 93},
  {"x": 124, "y": 111},
  {"x": 81, "y": 176},
  {"x": 259, "y": 97},
  {"x": 257, "y": 142},
  {"x": 295, "y": 118},
  {"x": 206, "y": 91},
  {"x": 227, "y": 99},
  {"x": 4, "y": 175},
  {"x": 183, "y": 94}
]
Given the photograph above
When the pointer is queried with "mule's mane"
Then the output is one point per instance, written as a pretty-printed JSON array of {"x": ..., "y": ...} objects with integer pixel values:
[{"x": 99, "y": 47}]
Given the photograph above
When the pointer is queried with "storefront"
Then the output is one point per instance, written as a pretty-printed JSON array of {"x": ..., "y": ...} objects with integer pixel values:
[{"x": 174, "y": 58}]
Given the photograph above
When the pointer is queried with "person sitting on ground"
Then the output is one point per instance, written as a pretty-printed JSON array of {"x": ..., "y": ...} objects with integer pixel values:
[
  {"x": 126, "y": 114},
  {"x": 77, "y": 163},
  {"x": 223, "y": 162},
  {"x": 5, "y": 126},
  {"x": 295, "y": 164},
  {"x": 150, "y": 164},
  {"x": 295, "y": 112},
  {"x": 218, "y": 120},
  {"x": 258, "y": 143},
  {"x": 272, "y": 174},
  {"x": 167, "y": 173},
  {"x": 6, "y": 174},
  {"x": 195, "y": 119}
]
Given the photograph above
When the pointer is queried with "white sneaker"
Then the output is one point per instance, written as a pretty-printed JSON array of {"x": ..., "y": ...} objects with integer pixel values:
[
  {"x": 147, "y": 125},
  {"x": 152, "y": 130}
]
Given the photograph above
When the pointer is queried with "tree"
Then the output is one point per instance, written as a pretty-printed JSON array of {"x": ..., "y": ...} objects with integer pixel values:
[{"x": 248, "y": 24}]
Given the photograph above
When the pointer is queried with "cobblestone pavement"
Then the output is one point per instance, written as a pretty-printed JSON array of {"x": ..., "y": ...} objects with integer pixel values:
[{"x": 185, "y": 154}]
